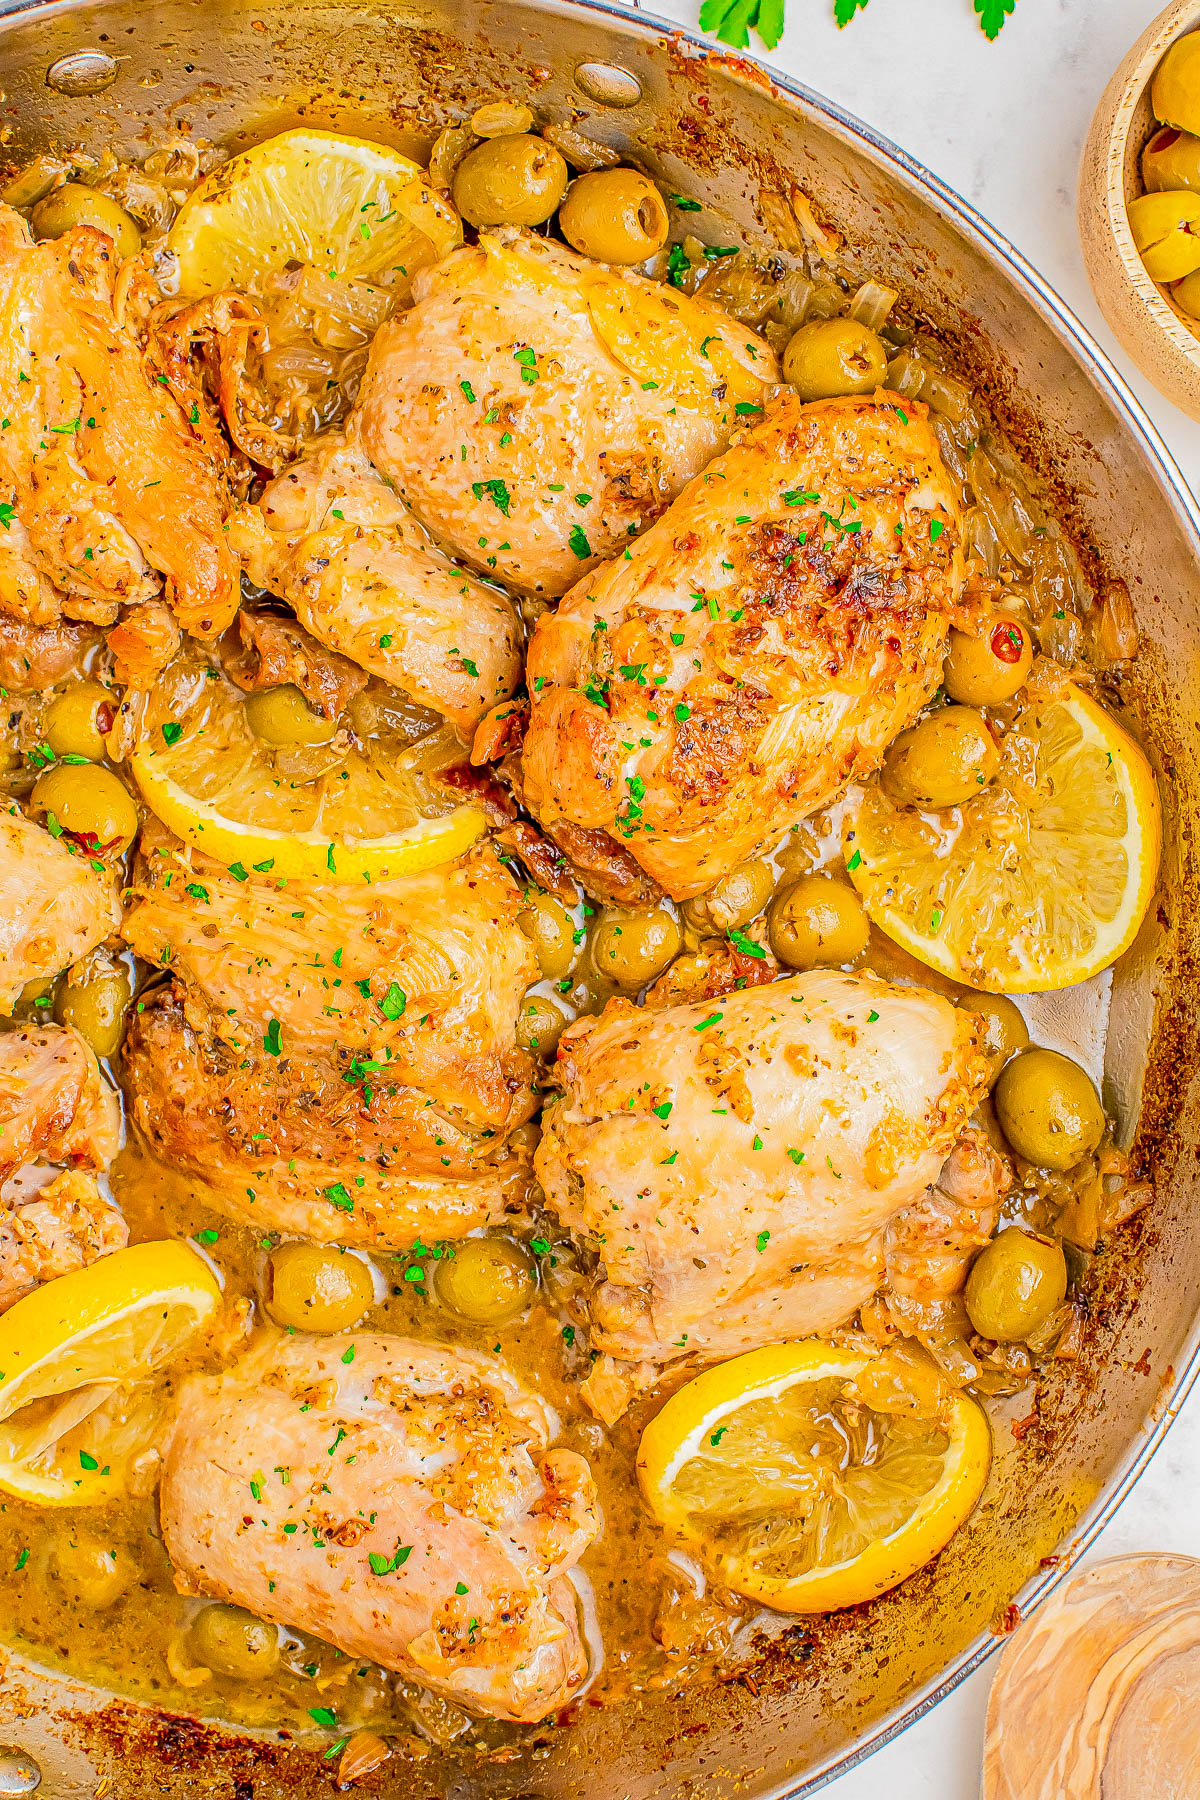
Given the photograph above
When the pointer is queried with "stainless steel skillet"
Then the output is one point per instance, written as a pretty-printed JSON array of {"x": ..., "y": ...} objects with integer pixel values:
[{"x": 825, "y": 1696}]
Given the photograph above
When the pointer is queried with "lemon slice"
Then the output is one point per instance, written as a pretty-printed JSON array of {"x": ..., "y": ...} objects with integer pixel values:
[
  {"x": 798, "y": 1493},
  {"x": 76, "y": 1358},
  {"x": 317, "y": 813},
  {"x": 1039, "y": 881},
  {"x": 355, "y": 210}
]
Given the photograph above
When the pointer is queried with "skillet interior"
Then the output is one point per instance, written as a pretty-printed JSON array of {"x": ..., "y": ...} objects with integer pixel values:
[{"x": 236, "y": 73}]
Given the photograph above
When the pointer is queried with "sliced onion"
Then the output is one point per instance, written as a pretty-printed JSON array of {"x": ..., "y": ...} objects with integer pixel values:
[
  {"x": 872, "y": 304},
  {"x": 501, "y": 118},
  {"x": 581, "y": 152}
]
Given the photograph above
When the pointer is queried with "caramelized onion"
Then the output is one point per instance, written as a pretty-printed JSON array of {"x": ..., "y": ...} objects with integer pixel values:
[{"x": 1095, "y": 1695}]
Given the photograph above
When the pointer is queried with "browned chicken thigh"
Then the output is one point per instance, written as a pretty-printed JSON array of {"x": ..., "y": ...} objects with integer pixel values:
[
  {"x": 536, "y": 409},
  {"x": 735, "y": 1163},
  {"x": 398, "y": 1499},
  {"x": 337, "y": 1061},
  {"x": 333, "y": 540},
  {"x": 55, "y": 1107},
  {"x": 109, "y": 496},
  {"x": 757, "y": 647},
  {"x": 54, "y": 907}
]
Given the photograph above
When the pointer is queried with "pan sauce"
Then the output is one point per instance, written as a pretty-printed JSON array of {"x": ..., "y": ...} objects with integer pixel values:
[{"x": 650, "y": 1623}]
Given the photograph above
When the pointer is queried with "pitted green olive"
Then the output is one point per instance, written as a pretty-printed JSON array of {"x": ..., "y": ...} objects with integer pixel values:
[
  {"x": 551, "y": 930},
  {"x": 1175, "y": 90},
  {"x": 944, "y": 760},
  {"x": 315, "y": 1287},
  {"x": 1015, "y": 1283},
  {"x": 90, "y": 802},
  {"x": 989, "y": 669},
  {"x": 231, "y": 1641},
  {"x": 282, "y": 717},
  {"x": 1004, "y": 1030},
  {"x": 615, "y": 215},
  {"x": 834, "y": 356},
  {"x": 78, "y": 720},
  {"x": 1048, "y": 1109},
  {"x": 734, "y": 900},
  {"x": 96, "y": 1007},
  {"x": 487, "y": 1280},
  {"x": 74, "y": 204},
  {"x": 512, "y": 180},
  {"x": 1170, "y": 161},
  {"x": 631, "y": 948},
  {"x": 817, "y": 923},
  {"x": 1166, "y": 233},
  {"x": 540, "y": 1024}
]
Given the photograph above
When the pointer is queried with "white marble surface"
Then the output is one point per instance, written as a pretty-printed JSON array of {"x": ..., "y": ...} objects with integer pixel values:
[{"x": 1003, "y": 123}]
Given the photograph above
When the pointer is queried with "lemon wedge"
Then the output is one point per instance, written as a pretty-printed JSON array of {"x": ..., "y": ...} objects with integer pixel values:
[
  {"x": 76, "y": 1359},
  {"x": 355, "y": 210},
  {"x": 315, "y": 813},
  {"x": 1039, "y": 881},
  {"x": 795, "y": 1490}
]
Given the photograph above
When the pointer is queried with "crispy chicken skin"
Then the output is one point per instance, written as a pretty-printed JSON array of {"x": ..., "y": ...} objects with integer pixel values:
[
  {"x": 585, "y": 398},
  {"x": 113, "y": 495},
  {"x": 336, "y": 1061},
  {"x": 432, "y": 1461},
  {"x": 735, "y": 1163},
  {"x": 54, "y": 907},
  {"x": 758, "y": 647},
  {"x": 333, "y": 540},
  {"x": 55, "y": 1105}
]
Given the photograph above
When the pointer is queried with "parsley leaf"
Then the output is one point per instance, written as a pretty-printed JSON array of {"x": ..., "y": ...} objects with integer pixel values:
[
  {"x": 733, "y": 22},
  {"x": 844, "y": 10},
  {"x": 992, "y": 14}
]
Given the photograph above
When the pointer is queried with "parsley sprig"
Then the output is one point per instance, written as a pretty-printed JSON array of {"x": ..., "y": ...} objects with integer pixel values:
[{"x": 733, "y": 20}]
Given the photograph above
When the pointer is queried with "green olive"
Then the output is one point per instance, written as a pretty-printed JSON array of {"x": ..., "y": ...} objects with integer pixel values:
[
  {"x": 1004, "y": 1030},
  {"x": 231, "y": 1641},
  {"x": 834, "y": 356},
  {"x": 90, "y": 802},
  {"x": 79, "y": 719},
  {"x": 1015, "y": 1283},
  {"x": 1175, "y": 90},
  {"x": 1049, "y": 1109},
  {"x": 1170, "y": 161},
  {"x": 88, "y": 1565},
  {"x": 540, "y": 1024},
  {"x": 315, "y": 1287},
  {"x": 515, "y": 180},
  {"x": 631, "y": 948},
  {"x": 943, "y": 760},
  {"x": 615, "y": 215},
  {"x": 817, "y": 923},
  {"x": 1166, "y": 232},
  {"x": 282, "y": 717},
  {"x": 734, "y": 900},
  {"x": 74, "y": 204},
  {"x": 551, "y": 930},
  {"x": 96, "y": 1007},
  {"x": 1186, "y": 295},
  {"x": 987, "y": 670},
  {"x": 487, "y": 1280}
]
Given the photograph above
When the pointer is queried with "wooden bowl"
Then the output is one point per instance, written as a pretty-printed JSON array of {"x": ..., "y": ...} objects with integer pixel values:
[{"x": 1163, "y": 342}]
